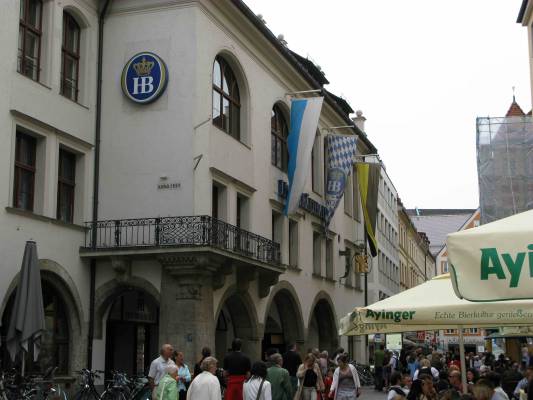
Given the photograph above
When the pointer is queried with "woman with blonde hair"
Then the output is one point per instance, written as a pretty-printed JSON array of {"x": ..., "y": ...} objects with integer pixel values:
[
  {"x": 309, "y": 379},
  {"x": 482, "y": 391},
  {"x": 426, "y": 369}
]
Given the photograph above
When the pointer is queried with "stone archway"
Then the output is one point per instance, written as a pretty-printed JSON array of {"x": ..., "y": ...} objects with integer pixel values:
[
  {"x": 236, "y": 318},
  {"x": 132, "y": 332},
  {"x": 63, "y": 316},
  {"x": 283, "y": 320},
  {"x": 322, "y": 330},
  {"x": 106, "y": 294}
]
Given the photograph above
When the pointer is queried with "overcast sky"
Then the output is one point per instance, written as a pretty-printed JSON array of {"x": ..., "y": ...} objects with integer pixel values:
[{"x": 421, "y": 71}]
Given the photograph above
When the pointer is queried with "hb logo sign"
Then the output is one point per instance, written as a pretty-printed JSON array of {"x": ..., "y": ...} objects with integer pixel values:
[
  {"x": 336, "y": 182},
  {"x": 144, "y": 78}
]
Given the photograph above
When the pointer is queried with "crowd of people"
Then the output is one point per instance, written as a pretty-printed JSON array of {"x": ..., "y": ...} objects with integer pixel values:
[
  {"x": 417, "y": 375},
  {"x": 408, "y": 375},
  {"x": 281, "y": 377}
]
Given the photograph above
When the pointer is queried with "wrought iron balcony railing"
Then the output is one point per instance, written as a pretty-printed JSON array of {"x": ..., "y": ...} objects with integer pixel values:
[{"x": 193, "y": 231}]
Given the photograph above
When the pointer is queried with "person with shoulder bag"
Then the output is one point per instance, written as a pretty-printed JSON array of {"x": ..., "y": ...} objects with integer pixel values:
[
  {"x": 346, "y": 384},
  {"x": 257, "y": 387}
]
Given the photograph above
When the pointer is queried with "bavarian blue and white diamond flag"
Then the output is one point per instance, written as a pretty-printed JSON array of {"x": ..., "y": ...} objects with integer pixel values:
[
  {"x": 341, "y": 151},
  {"x": 304, "y": 121}
]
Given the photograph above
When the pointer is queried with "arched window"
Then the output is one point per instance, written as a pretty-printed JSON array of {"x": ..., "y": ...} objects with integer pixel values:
[
  {"x": 30, "y": 32},
  {"x": 226, "y": 99},
  {"x": 54, "y": 342},
  {"x": 70, "y": 57},
  {"x": 278, "y": 143}
]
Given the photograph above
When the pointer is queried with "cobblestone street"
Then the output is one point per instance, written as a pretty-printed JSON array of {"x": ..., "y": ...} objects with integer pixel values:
[{"x": 370, "y": 394}]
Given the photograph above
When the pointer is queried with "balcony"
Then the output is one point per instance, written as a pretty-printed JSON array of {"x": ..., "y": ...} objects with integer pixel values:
[{"x": 177, "y": 234}]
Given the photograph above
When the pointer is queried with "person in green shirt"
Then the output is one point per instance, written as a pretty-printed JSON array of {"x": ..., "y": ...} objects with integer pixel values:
[
  {"x": 280, "y": 381},
  {"x": 379, "y": 356},
  {"x": 167, "y": 389}
]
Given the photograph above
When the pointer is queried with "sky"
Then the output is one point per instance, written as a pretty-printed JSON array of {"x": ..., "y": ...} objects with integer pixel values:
[{"x": 421, "y": 71}]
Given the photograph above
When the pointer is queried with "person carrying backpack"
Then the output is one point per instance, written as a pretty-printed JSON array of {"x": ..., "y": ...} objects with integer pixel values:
[
  {"x": 396, "y": 392},
  {"x": 426, "y": 369}
]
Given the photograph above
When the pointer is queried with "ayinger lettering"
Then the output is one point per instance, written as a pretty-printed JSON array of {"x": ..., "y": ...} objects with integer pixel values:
[
  {"x": 491, "y": 264},
  {"x": 396, "y": 316}
]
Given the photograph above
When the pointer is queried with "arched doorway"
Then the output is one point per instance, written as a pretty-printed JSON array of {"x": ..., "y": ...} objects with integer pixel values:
[
  {"x": 55, "y": 349},
  {"x": 283, "y": 323},
  {"x": 322, "y": 332},
  {"x": 236, "y": 320},
  {"x": 132, "y": 333}
]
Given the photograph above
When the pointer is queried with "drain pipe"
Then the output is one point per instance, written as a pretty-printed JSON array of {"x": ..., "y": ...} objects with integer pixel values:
[{"x": 96, "y": 179}]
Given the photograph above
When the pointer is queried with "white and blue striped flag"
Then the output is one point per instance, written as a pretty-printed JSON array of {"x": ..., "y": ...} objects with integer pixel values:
[
  {"x": 342, "y": 150},
  {"x": 304, "y": 121}
]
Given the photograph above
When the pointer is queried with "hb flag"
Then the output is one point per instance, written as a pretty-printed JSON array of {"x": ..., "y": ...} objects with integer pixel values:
[
  {"x": 368, "y": 178},
  {"x": 304, "y": 121},
  {"x": 341, "y": 150}
]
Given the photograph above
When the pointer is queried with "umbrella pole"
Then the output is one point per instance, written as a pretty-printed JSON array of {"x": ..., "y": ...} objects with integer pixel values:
[
  {"x": 23, "y": 363},
  {"x": 463, "y": 360}
]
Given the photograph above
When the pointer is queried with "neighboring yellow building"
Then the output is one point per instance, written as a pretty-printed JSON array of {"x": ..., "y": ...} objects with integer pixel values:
[{"x": 417, "y": 264}]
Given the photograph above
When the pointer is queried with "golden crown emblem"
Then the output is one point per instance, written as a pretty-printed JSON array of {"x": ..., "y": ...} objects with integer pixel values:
[{"x": 143, "y": 67}]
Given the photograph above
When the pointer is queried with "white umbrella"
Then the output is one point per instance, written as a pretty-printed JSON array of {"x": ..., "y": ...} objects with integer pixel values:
[
  {"x": 494, "y": 262},
  {"x": 433, "y": 305},
  {"x": 27, "y": 316}
]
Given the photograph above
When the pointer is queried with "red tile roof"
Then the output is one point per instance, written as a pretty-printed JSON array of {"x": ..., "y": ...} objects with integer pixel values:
[{"x": 515, "y": 110}]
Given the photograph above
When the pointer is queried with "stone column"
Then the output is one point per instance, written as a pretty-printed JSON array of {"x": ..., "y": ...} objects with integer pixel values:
[{"x": 186, "y": 311}]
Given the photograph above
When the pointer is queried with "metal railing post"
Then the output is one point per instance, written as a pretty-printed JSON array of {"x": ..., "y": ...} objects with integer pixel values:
[
  {"x": 157, "y": 231},
  {"x": 117, "y": 233}
]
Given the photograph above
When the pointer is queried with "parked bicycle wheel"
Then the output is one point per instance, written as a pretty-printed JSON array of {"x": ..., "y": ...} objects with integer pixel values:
[
  {"x": 114, "y": 395},
  {"x": 144, "y": 394},
  {"x": 86, "y": 395}
]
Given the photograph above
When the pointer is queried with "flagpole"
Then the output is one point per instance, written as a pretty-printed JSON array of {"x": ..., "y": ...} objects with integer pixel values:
[{"x": 304, "y": 91}]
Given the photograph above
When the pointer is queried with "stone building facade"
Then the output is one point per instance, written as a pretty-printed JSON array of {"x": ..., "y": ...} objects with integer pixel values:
[
  {"x": 384, "y": 276},
  {"x": 417, "y": 264},
  {"x": 190, "y": 245}
]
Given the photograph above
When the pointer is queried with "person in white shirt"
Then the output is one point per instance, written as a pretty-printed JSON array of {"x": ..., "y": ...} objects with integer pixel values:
[
  {"x": 159, "y": 365},
  {"x": 206, "y": 385},
  {"x": 257, "y": 387}
]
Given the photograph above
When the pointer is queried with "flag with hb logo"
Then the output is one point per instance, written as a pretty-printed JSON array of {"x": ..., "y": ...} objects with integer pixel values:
[{"x": 341, "y": 152}]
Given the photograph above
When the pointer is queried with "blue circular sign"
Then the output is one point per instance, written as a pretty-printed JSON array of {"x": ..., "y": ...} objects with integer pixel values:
[{"x": 144, "y": 78}]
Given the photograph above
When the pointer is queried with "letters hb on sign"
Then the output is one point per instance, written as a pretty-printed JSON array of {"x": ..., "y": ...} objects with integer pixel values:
[{"x": 144, "y": 86}]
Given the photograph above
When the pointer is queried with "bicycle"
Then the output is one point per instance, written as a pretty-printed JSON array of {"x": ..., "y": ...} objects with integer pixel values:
[
  {"x": 140, "y": 388},
  {"x": 87, "y": 390},
  {"x": 118, "y": 388},
  {"x": 365, "y": 375}
]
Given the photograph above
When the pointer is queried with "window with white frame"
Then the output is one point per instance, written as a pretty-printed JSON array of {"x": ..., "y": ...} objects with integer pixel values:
[
  {"x": 329, "y": 258},
  {"x": 317, "y": 253},
  {"x": 293, "y": 243}
]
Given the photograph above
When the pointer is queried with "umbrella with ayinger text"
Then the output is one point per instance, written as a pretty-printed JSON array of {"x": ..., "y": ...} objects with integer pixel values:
[
  {"x": 27, "y": 318},
  {"x": 433, "y": 305},
  {"x": 493, "y": 262}
]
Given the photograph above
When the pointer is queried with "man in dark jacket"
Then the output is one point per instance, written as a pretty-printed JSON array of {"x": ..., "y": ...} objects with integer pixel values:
[{"x": 291, "y": 362}]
